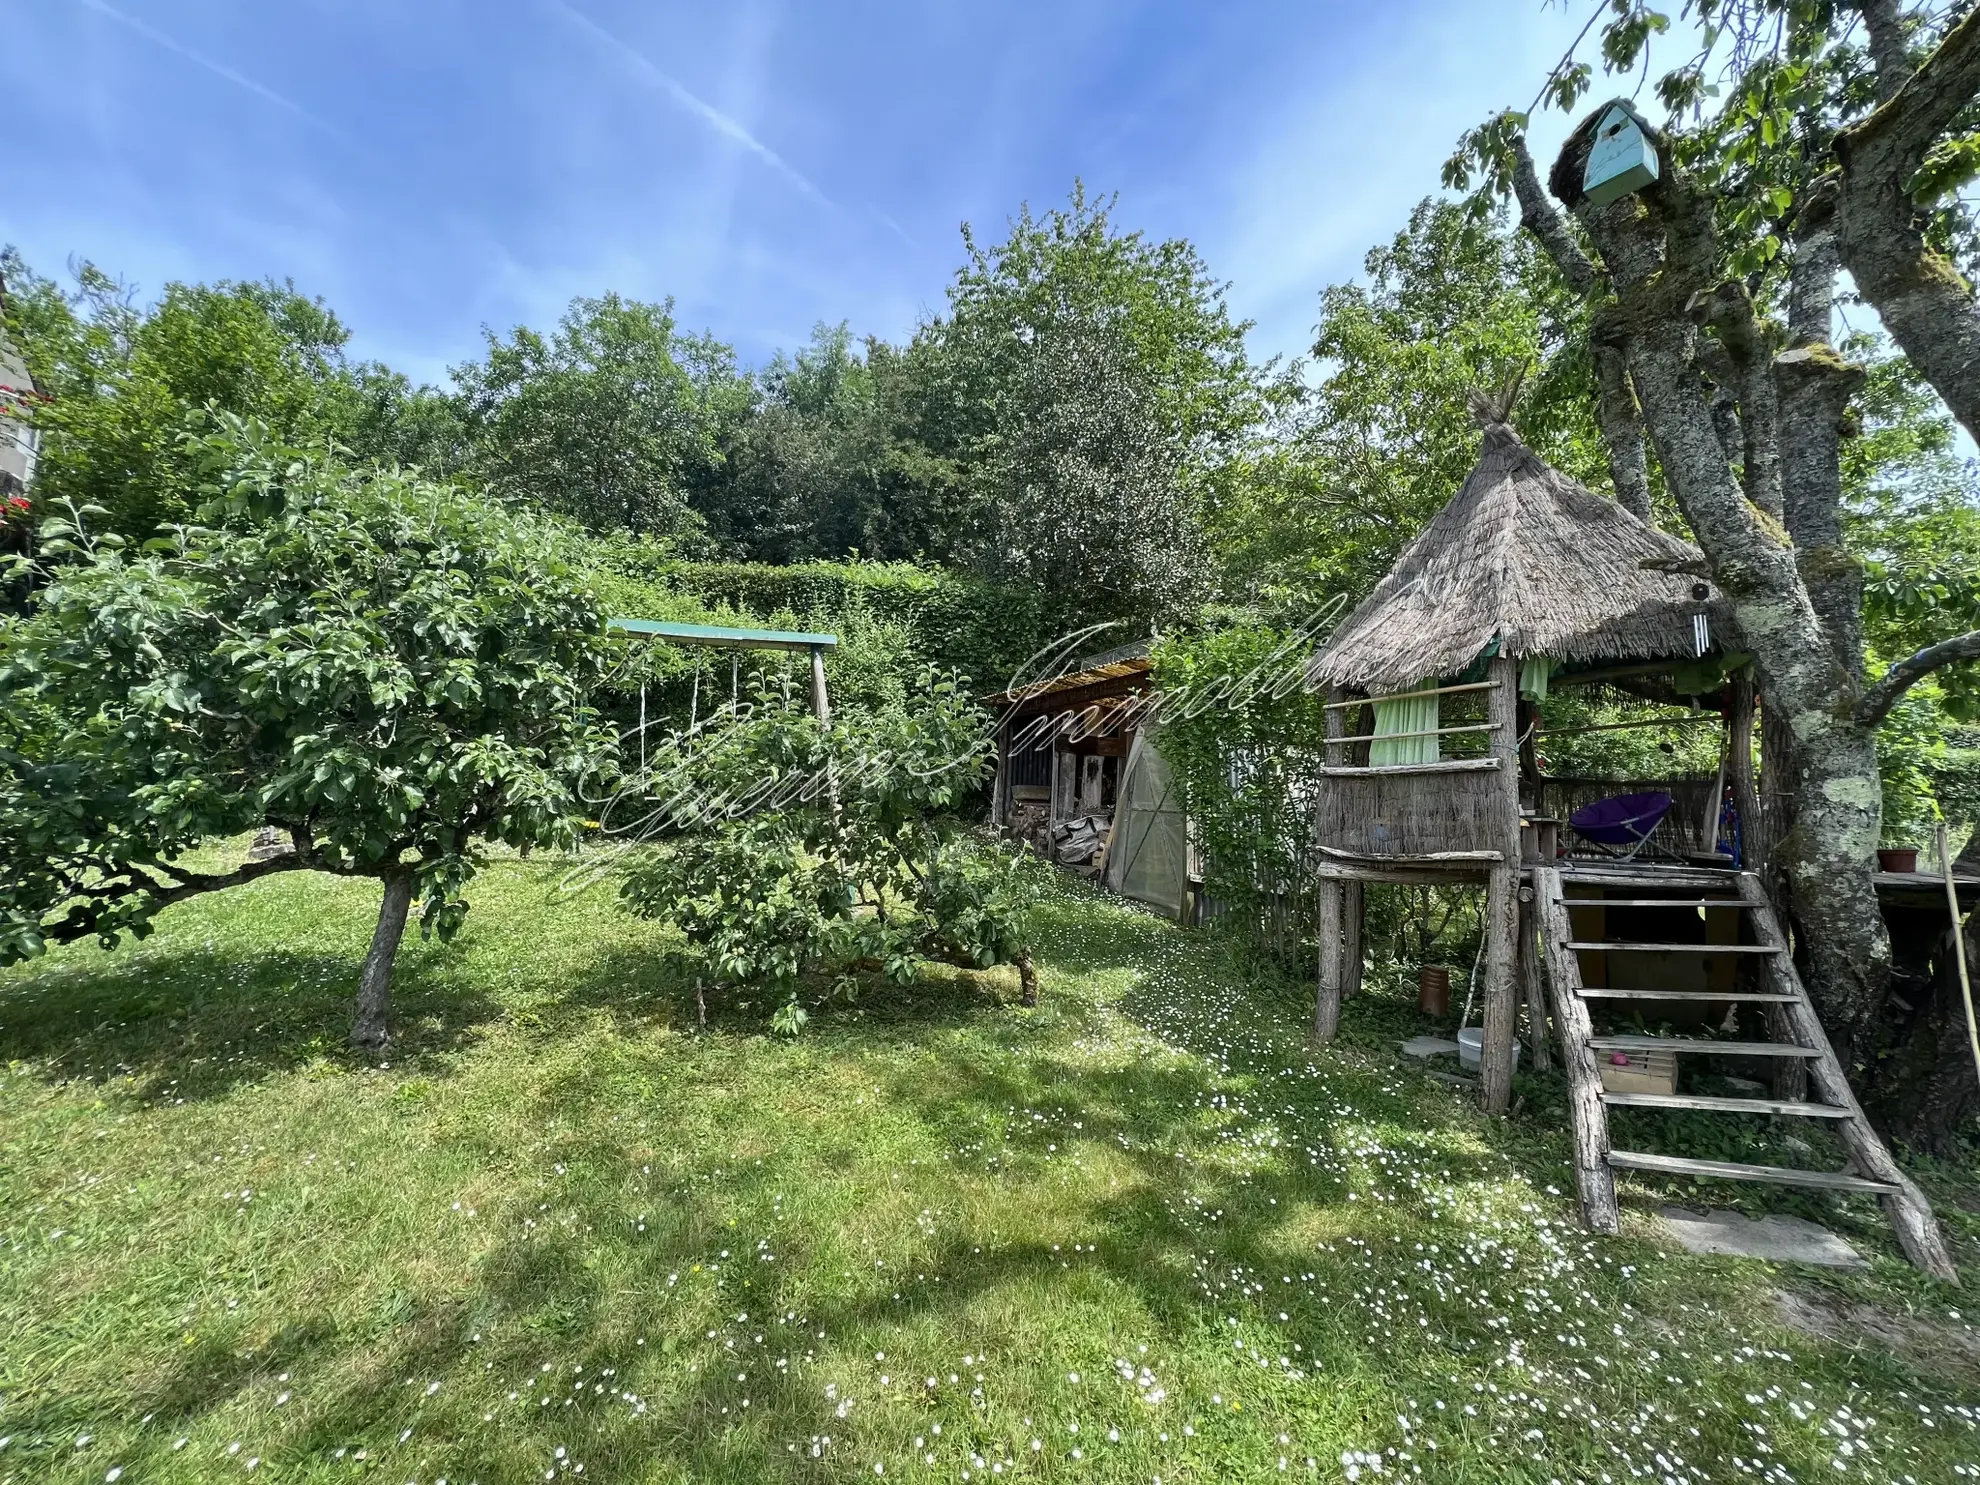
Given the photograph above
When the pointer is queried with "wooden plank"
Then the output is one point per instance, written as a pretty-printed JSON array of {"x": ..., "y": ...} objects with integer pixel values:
[
  {"x": 1755, "y": 996},
  {"x": 1375, "y": 737},
  {"x": 1631, "y": 946},
  {"x": 1631, "y": 1042},
  {"x": 1685, "y": 719},
  {"x": 1588, "y": 1121},
  {"x": 1447, "y": 765},
  {"x": 1428, "y": 858},
  {"x": 1731, "y": 903},
  {"x": 1617, "y": 874},
  {"x": 1727, "y": 1170},
  {"x": 1705, "y": 1104},
  {"x": 1362, "y": 869},
  {"x": 1917, "y": 1230},
  {"x": 1407, "y": 695}
]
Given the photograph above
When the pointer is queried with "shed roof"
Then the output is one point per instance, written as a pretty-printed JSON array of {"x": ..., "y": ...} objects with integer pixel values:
[
  {"x": 1123, "y": 675},
  {"x": 1525, "y": 555}
]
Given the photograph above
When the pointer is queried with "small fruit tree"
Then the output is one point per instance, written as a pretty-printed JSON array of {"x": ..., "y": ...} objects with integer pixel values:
[
  {"x": 786, "y": 845},
  {"x": 390, "y": 671}
]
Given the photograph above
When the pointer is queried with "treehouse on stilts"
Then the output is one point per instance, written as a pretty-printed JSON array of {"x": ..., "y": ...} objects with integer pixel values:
[{"x": 1627, "y": 910}]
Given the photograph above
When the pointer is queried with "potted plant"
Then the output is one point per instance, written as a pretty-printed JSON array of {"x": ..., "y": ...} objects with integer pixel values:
[{"x": 1897, "y": 858}]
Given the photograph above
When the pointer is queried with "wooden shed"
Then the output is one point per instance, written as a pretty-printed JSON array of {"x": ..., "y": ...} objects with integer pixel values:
[{"x": 1079, "y": 778}]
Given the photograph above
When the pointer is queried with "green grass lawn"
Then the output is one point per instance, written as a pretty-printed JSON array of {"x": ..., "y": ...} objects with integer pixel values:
[{"x": 1143, "y": 1232}]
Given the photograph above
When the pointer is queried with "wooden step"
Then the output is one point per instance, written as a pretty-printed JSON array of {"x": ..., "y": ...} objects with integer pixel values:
[
  {"x": 1669, "y": 902},
  {"x": 1604, "y": 992},
  {"x": 1630, "y": 1042},
  {"x": 1727, "y": 1170},
  {"x": 1627, "y": 947},
  {"x": 1711, "y": 1105}
]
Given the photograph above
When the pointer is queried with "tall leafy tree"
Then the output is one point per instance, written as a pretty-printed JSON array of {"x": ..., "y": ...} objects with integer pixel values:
[
  {"x": 391, "y": 671},
  {"x": 615, "y": 418},
  {"x": 1095, "y": 388},
  {"x": 834, "y": 460},
  {"x": 119, "y": 377}
]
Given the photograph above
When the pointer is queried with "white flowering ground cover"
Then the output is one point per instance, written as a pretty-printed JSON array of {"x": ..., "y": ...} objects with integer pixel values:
[{"x": 1142, "y": 1233}]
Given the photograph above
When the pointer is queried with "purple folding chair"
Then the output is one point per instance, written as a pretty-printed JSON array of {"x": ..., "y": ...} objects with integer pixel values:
[{"x": 1624, "y": 821}]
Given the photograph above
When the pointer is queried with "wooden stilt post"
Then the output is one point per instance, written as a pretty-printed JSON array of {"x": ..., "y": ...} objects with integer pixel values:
[
  {"x": 1739, "y": 771},
  {"x": 1354, "y": 913},
  {"x": 1327, "y": 914},
  {"x": 1327, "y": 998},
  {"x": 1531, "y": 974},
  {"x": 1502, "y": 896}
]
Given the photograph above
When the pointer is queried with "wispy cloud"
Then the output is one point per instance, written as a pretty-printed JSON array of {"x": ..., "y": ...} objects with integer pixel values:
[
  {"x": 678, "y": 92},
  {"x": 200, "y": 59}
]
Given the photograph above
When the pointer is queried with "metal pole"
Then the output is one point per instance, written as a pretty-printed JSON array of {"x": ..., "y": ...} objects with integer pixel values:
[{"x": 642, "y": 727}]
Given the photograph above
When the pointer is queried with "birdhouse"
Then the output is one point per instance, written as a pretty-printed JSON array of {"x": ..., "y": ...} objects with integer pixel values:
[{"x": 1622, "y": 160}]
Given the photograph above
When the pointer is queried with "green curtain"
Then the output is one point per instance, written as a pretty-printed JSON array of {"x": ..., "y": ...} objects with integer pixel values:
[
  {"x": 1534, "y": 672},
  {"x": 1412, "y": 714}
]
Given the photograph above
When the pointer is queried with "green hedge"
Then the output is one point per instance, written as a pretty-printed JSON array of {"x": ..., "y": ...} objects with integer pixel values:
[{"x": 982, "y": 629}]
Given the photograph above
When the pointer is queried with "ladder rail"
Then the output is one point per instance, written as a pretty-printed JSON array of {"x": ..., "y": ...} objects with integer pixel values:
[
  {"x": 1594, "y": 1177},
  {"x": 1911, "y": 1215}
]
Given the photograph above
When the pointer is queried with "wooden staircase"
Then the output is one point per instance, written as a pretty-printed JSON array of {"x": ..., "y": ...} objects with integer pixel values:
[{"x": 1795, "y": 1036}]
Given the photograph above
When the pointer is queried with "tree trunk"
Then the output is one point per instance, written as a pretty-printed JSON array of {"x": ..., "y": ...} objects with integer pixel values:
[
  {"x": 1659, "y": 258},
  {"x": 374, "y": 997},
  {"x": 1502, "y": 922},
  {"x": 1622, "y": 431},
  {"x": 1814, "y": 387}
]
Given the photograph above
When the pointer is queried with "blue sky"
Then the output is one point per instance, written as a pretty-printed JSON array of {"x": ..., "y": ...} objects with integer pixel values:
[{"x": 431, "y": 166}]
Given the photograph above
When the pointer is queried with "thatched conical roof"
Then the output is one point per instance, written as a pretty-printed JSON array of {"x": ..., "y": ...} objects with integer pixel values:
[{"x": 1525, "y": 554}]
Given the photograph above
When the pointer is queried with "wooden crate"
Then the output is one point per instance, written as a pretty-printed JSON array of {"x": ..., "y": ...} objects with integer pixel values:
[{"x": 1638, "y": 1072}]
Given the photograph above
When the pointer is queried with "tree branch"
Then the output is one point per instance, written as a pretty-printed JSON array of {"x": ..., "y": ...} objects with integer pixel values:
[
  {"x": 85, "y": 915},
  {"x": 1884, "y": 20},
  {"x": 1901, "y": 677},
  {"x": 1539, "y": 215},
  {"x": 1812, "y": 274},
  {"x": 1622, "y": 429},
  {"x": 1617, "y": 411},
  {"x": 1924, "y": 303}
]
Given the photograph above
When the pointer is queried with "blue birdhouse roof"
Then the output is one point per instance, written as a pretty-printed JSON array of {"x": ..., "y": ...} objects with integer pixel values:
[{"x": 1621, "y": 158}]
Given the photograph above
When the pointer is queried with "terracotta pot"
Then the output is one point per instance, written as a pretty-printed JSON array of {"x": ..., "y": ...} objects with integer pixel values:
[
  {"x": 1433, "y": 990},
  {"x": 1897, "y": 858}
]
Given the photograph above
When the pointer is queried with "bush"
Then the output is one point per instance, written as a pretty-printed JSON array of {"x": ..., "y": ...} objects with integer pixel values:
[{"x": 795, "y": 847}]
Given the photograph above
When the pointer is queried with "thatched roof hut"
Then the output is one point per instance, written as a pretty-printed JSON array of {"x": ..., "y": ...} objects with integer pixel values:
[{"x": 1525, "y": 555}]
